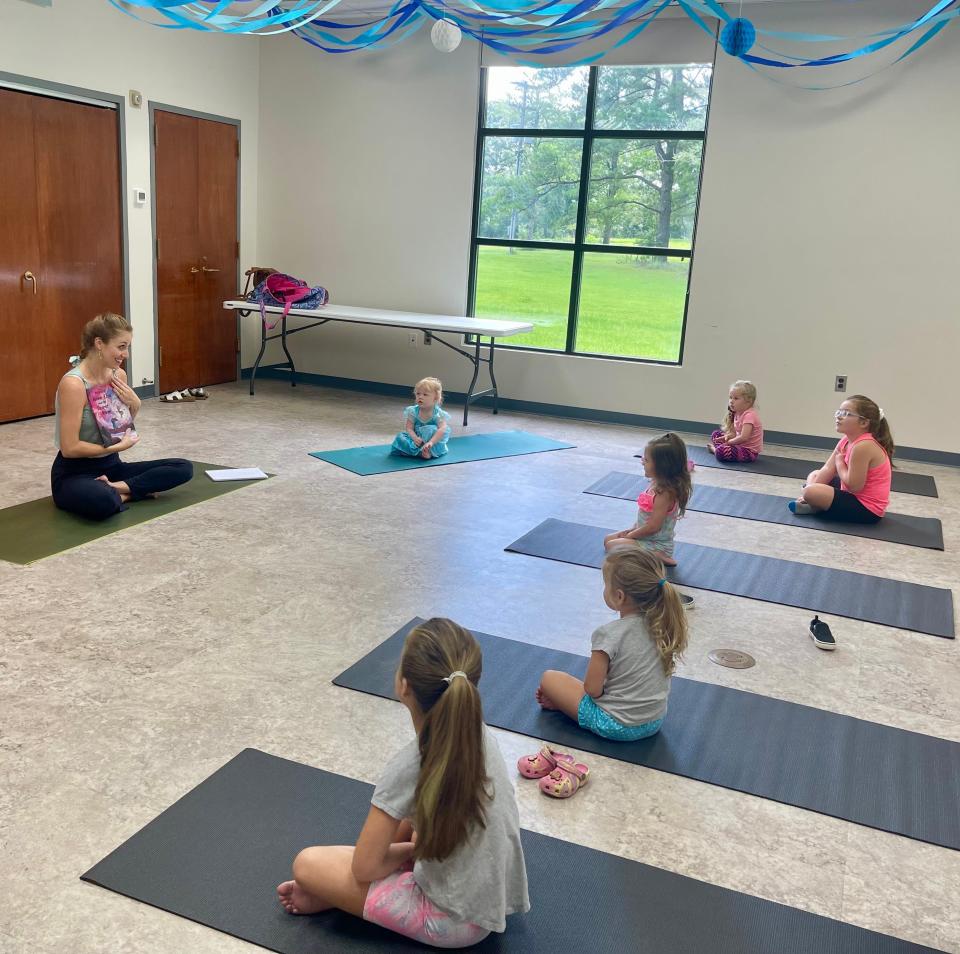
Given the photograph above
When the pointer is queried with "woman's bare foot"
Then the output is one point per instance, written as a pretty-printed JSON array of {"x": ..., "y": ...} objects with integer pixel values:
[
  {"x": 426, "y": 453},
  {"x": 119, "y": 486},
  {"x": 296, "y": 901},
  {"x": 544, "y": 700},
  {"x": 668, "y": 561}
]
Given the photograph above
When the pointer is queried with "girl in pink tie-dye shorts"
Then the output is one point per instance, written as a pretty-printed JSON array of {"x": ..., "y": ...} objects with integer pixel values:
[{"x": 439, "y": 858}]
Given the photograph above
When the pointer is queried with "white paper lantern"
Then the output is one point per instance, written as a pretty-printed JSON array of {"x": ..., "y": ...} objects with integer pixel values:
[{"x": 446, "y": 36}]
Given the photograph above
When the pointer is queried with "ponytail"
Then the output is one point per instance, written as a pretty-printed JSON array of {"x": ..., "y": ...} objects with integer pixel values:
[
  {"x": 877, "y": 424},
  {"x": 640, "y": 574},
  {"x": 667, "y": 622},
  {"x": 442, "y": 664}
]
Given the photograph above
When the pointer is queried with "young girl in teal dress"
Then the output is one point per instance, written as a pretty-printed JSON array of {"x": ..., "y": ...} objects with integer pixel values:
[{"x": 426, "y": 424}]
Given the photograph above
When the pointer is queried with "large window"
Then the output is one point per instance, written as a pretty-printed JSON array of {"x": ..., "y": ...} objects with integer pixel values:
[{"x": 586, "y": 198}]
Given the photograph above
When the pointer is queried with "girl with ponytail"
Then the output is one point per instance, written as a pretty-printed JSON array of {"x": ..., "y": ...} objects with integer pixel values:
[
  {"x": 439, "y": 858},
  {"x": 624, "y": 694},
  {"x": 854, "y": 484}
]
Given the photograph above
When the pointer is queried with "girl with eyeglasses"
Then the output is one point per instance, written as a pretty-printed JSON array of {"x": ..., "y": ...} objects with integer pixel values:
[{"x": 854, "y": 484}]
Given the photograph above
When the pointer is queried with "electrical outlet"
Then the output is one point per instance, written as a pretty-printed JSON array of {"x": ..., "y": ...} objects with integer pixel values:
[
  {"x": 427, "y": 339},
  {"x": 412, "y": 339},
  {"x": 840, "y": 384}
]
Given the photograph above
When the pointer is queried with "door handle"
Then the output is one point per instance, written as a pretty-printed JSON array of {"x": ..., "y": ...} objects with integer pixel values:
[
  {"x": 194, "y": 270},
  {"x": 30, "y": 277},
  {"x": 205, "y": 269}
]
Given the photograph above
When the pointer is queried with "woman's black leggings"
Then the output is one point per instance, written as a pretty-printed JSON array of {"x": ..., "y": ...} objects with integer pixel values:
[{"x": 76, "y": 488}]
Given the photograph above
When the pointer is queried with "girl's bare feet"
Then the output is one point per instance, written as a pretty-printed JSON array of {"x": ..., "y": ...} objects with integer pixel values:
[
  {"x": 425, "y": 453},
  {"x": 544, "y": 700},
  {"x": 119, "y": 486},
  {"x": 296, "y": 901}
]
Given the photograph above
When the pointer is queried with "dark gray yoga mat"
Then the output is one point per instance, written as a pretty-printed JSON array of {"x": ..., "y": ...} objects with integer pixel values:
[
  {"x": 893, "y": 528},
  {"x": 923, "y": 609},
  {"x": 869, "y": 774},
  {"x": 922, "y": 485},
  {"x": 216, "y": 856}
]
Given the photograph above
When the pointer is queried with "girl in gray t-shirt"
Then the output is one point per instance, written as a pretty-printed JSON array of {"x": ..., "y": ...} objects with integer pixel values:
[
  {"x": 624, "y": 693},
  {"x": 439, "y": 858}
]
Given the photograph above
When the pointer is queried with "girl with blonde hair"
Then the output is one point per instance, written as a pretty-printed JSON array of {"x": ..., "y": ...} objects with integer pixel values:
[
  {"x": 426, "y": 425},
  {"x": 740, "y": 437},
  {"x": 624, "y": 693}
]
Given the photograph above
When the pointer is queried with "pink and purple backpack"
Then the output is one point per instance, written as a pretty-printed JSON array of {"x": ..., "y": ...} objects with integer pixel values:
[{"x": 285, "y": 291}]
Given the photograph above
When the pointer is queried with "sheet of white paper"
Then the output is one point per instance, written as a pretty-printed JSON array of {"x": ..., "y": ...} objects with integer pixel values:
[{"x": 239, "y": 473}]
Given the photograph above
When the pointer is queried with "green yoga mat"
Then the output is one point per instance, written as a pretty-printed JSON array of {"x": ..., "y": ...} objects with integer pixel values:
[
  {"x": 37, "y": 529},
  {"x": 378, "y": 459}
]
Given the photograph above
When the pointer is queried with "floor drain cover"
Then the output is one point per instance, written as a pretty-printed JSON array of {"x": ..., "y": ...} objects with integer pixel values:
[{"x": 732, "y": 658}]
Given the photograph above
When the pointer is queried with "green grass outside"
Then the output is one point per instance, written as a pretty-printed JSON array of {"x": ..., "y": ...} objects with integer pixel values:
[{"x": 625, "y": 309}]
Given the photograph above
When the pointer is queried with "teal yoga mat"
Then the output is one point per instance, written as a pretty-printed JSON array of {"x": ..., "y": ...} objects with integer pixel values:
[{"x": 378, "y": 459}]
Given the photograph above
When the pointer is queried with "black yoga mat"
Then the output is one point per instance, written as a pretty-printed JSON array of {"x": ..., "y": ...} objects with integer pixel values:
[
  {"x": 923, "y": 609},
  {"x": 922, "y": 485},
  {"x": 869, "y": 774},
  {"x": 893, "y": 528},
  {"x": 216, "y": 856}
]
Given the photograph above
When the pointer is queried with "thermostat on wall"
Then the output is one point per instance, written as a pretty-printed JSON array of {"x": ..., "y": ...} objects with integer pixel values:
[{"x": 139, "y": 197}]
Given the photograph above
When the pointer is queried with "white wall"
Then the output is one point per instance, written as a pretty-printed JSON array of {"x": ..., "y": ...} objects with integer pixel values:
[
  {"x": 90, "y": 44},
  {"x": 826, "y": 242}
]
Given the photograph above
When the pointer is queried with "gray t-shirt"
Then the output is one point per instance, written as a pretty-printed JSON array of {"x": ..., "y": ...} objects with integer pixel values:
[
  {"x": 485, "y": 878},
  {"x": 636, "y": 687}
]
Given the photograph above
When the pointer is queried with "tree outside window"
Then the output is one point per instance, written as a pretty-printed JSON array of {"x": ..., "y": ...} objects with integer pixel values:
[{"x": 586, "y": 201}]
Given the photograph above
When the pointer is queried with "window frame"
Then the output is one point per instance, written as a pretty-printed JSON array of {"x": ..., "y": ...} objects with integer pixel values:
[{"x": 588, "y": 135}]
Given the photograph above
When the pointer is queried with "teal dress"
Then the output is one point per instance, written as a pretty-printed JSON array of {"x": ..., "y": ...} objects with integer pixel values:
[{"x": 404, "y": 444}]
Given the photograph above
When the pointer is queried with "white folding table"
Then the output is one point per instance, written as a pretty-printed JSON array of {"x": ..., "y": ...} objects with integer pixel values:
[{"x": 430, "y": 325}]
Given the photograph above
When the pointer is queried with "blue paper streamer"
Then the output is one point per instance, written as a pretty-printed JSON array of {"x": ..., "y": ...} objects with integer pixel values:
[{"x": 534, "y": 29}]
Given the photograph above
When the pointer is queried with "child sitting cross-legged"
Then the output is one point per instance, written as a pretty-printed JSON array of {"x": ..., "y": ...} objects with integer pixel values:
[{"x": 624, "y": 693}]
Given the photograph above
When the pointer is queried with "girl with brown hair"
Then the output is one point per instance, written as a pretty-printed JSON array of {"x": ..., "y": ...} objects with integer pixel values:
[
  {"x": 854, "y": 484},
  {"x": 88, "y": 478},
  {"x": 662, "y": 503},
  {"x": 439, "y": 858}
]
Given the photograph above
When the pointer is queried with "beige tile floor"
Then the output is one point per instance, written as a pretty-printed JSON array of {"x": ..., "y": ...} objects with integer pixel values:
[{"x": 131, "y": 668}]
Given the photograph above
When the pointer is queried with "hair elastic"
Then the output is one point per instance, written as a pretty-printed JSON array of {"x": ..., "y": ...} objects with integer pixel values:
[
  {"x": 660, "y": 583},
  {"x": 453, "y": 675},
  {"x": 882, "y": 415}
]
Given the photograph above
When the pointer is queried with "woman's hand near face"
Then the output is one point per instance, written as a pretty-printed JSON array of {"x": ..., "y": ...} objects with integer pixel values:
[{"x": 125, "y": 392}]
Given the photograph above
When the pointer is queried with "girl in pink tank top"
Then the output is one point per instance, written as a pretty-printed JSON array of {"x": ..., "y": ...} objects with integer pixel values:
[{"x": 854, "y": 484}]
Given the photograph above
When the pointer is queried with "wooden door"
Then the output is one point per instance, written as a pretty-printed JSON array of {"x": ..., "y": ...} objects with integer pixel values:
[
  {"x": 21, "y": 331},
  {"x": 195, "y": 163},
  {"x": 59, "y": 221},
  {"x": 81, "y": 241}
]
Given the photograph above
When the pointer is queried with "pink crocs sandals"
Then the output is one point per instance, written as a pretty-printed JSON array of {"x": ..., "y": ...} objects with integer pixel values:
[
  {"x": 566, "y": 779},
  {"x": 544, "y": 762}
]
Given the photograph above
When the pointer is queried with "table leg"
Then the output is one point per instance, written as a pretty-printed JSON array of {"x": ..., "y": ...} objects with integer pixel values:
[
  {"x": 476, "y": 371},
  {"x": 263, "y": 347},
  {"x": 493, "y": 380},
  {"x": 283, "y": 341}
]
